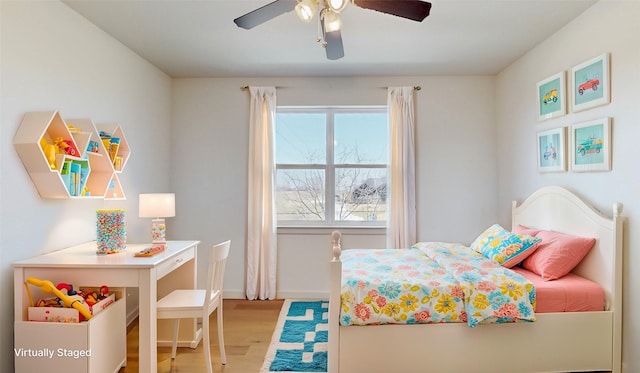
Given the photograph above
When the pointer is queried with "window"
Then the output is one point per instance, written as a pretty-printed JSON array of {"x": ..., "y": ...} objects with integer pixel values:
[{"x": 331, "y": 165}]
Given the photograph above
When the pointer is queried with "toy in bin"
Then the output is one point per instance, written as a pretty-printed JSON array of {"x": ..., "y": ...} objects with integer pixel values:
[
  {"x": 86, "y": 302},
  {"x": 94, "y": 296}
]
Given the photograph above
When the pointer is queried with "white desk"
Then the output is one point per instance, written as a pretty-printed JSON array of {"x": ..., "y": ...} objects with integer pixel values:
[{"x": 80, "y": 265}]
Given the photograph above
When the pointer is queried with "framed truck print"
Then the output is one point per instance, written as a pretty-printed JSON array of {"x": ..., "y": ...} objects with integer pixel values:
[
  {"x": 551, "y": 97},
  {"x": 590, "y": 83},
  {"x": 591, "y": 145},
  {"x": 551, "y": 150}
]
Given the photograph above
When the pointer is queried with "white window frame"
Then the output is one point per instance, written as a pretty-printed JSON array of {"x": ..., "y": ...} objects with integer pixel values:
[{"x": 330, "y": 167}]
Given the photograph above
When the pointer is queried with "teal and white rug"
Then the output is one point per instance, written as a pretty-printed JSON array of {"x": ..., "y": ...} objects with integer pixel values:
[{"x": 299, "y": 343}]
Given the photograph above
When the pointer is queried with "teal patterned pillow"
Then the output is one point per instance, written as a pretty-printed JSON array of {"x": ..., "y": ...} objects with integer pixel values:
[{"x": 504, "y": 247}]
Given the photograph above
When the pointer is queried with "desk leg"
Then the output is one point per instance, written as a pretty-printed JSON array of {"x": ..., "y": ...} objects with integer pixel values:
[
  {"x": 147, "y": 298},
  {"x": 20, "y": 302}
]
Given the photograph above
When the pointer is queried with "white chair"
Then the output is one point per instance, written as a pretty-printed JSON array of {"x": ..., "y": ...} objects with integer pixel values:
[{"x": 199, "y": 303}]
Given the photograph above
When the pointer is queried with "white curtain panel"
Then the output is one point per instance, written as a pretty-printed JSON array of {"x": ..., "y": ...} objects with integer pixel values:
[
  {"x": 401, "y": 221},
  {"x": 261, "y": 225}
]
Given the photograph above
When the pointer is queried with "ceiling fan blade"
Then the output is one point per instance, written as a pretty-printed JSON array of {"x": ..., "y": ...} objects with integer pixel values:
[
  {"x": 334, "y": 47},
  {"x": 265, "y": 13},
  {"x": 416, "y": 10}
]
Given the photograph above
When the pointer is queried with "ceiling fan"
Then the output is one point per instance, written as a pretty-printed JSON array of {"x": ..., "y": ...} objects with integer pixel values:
[{"x": 329, "y": 16}]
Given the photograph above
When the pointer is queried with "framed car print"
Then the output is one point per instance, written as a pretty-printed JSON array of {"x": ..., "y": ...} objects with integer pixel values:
[
  {"x": 551, "y": 150},
  {"x": 591, "y": 145},
  {"x": 590, "y": 83},
  {"x": 551, "y": 97}
]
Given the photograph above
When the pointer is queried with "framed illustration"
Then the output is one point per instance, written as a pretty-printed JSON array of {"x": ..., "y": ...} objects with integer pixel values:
[
  {"x": 551, "y": 150},
  {"x": 590, "y": 83},
  {"x": 551, "y": 97},
  {"x": 591, "y": 145}
]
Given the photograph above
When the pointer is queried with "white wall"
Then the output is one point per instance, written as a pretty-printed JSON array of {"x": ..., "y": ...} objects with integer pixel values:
[
  {"x": 608, "y": 26},
  {"x": 456, "y": 153},
  {"x": 53, "y": 59}
]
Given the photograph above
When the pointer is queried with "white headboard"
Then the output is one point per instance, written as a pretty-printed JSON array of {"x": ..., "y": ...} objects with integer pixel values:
[{"x": 557, "y": 209}]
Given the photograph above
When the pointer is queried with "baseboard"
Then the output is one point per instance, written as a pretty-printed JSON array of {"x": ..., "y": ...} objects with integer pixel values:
[
  {"x": 234, "y": 294},
  {"x": 239, "y": 294},
  {"x": 303, "y": 295},
  {"x": 131, "y": 316}
]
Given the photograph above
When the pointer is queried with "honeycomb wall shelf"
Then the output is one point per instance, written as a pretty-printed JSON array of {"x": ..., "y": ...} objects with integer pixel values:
[{"x": 35, "y": 142}]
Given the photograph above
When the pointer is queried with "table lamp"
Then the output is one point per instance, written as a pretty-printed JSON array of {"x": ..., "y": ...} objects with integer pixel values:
[{"x": 157, "y": 206}]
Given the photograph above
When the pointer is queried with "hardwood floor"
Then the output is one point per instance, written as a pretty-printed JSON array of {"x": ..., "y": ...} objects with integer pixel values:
[{"x": 248, "y": 327}]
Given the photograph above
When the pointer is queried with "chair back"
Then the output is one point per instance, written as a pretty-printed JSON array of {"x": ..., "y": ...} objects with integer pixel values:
[{"x": 215, "y": 274}]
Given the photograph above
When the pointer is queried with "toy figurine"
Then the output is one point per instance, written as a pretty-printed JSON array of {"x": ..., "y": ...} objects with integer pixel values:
[
  {"x": 104, "y": 292},
  {"x": 77, "y": 300},
  {"x": 67, "y": 146},
  {"x": 50, "y": 151}
]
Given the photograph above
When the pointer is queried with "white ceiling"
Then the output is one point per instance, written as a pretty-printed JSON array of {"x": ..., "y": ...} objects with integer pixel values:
[{"x": 197, "y": 38}]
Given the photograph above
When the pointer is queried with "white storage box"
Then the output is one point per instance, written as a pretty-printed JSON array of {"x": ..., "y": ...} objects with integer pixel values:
[
  {"x": 66, "y": 314},
  {"x": 97, "y": 345}
]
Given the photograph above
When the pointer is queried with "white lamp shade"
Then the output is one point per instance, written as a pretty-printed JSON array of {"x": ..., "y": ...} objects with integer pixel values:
[
  {"x": 337, "y": 5},
  {"x": 157, "y": 205},
  {"x": 306, "y": 9},
  {"x": 332, "y": 21}
]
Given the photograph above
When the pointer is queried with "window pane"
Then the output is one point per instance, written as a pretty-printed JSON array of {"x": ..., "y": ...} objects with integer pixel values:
[
  {"x": 361, "y": 194},
  {"x": 360, "y": 138},
  {"x": 300, "y": 194},
  {"x": 301, "y": 138}
]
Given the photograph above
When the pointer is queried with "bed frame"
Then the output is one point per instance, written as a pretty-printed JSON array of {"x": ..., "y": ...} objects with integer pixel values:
[{"x": 556, "y": 342}]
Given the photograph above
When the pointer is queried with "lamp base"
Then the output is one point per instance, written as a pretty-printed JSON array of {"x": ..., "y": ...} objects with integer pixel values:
[{"x": 158, "y": 231}]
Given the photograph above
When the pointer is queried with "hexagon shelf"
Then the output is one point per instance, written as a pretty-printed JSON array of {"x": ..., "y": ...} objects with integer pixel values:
[{"x": 69, "y": 159}]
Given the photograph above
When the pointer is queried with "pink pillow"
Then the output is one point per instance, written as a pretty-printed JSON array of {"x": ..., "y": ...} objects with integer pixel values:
[
  {"x": 522, "y": 230},
  {"x": 557, "y": 254}
]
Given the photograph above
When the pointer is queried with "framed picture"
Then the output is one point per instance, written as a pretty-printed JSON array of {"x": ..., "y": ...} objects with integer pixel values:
[
  {"x": 591, "y": 145},
  {"x": 590, "y": 83},
  {"x": 551, "y": 97},
  {"x": 551, "y": 150}
]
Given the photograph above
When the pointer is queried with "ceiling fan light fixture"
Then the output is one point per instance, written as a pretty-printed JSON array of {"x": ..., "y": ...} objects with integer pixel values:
[
  {"x": 332, "y": 21},
  {"x": 306, "y": 9},
  {"x": 337, "y": 5}
]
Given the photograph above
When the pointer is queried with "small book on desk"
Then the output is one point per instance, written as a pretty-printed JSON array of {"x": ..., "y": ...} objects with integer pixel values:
[{"x": 150, "y": 251}]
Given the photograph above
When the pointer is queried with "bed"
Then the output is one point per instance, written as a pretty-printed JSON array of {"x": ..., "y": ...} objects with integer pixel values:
[{"x": 574, "y": 341}]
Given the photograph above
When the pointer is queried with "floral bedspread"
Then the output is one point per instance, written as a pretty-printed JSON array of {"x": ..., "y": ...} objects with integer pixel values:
[{"x": 431, "y": 282}]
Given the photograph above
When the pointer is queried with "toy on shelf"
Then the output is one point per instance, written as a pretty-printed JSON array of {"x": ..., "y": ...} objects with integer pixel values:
[
  {"x": 93, "y": 146},
  {"x": 50, "y": 151},
  {"x": 67, "y": 146},
  {"x": 112, "y": 144}
]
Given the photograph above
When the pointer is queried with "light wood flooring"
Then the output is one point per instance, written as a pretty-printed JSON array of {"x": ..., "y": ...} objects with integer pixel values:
[{"x": 248, "y": 327}]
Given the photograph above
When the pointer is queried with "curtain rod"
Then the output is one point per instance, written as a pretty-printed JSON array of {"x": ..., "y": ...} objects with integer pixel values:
[
  {"x": 415, "y": 87},
  {"x": 245, "y": 87}
]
